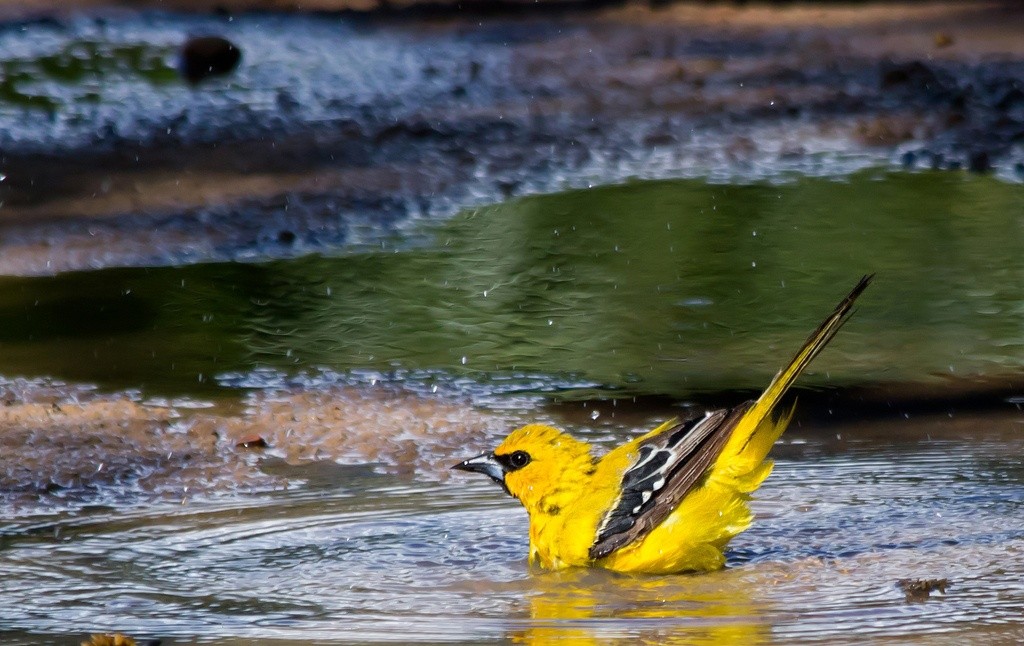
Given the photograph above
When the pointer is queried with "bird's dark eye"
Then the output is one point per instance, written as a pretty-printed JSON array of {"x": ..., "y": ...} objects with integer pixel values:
[
  {"x": 513, "y": 461},
  {"x": 518, "y": 459}
]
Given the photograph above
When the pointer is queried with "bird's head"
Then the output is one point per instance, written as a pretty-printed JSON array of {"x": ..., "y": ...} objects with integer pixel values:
[{"x": 534, "y": 461}]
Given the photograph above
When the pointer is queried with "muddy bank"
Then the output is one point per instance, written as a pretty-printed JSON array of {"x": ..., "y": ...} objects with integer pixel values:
[
  {"x": 336, "y": 131},
  {"x": 66, "y": 445}
]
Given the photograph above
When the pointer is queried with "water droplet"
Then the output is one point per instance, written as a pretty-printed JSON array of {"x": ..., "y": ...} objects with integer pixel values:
[
  {"x": 464, "y": 360},
  {"x": 595, "y": 414}
]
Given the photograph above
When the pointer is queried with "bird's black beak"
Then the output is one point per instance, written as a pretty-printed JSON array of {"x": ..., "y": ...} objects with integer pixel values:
[{"x": 487, "y": 465}]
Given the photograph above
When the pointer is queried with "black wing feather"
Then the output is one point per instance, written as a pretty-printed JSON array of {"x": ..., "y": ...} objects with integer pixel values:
[{"x": 668, "y": 466}]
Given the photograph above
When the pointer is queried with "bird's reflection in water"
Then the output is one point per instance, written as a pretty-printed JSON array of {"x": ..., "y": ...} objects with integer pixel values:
[{"x": 597, "y": 607}]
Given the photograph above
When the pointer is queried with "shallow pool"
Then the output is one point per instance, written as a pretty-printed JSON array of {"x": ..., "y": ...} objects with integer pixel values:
[
  {"x": 138, "y": 497},
  {"x": 359, "y": 557}
]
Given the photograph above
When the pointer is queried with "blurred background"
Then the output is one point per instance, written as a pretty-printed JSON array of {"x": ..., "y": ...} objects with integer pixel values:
[{"x": 267, "y": 268}]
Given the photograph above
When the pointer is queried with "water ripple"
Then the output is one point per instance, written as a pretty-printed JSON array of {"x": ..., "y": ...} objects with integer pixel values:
[{"x": 390, "y": 560}]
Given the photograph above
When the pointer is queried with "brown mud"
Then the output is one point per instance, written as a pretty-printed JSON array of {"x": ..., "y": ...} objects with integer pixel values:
[
  {"x": 69, "y": 444},
  {"x": 64, "y": 444}
]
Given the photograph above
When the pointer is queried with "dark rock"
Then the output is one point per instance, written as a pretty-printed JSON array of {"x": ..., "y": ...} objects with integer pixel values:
[
  {"x": 417, "y": 129},
  {"x": 958, "y": 99},
  {"x": 205, "y": 56},
  {"x": 286, "y": 102},
  {"x": 659, "y": 138},
  {"x": 508, "y": 187},
  {"x": 979, "y": 162},
  {"x": 1011, "y": 97},
  {"x": 252, "y": 442},
  {"x": 921, "y": 589},
  {"x": 914, "y": 74}
]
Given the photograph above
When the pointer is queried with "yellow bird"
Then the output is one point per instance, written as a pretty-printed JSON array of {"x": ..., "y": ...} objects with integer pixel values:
[{"x": 668, "y": 501}]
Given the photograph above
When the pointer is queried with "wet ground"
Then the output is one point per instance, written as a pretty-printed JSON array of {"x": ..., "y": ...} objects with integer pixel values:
[
  {"x": 246, "y": 325},
  {"x": 336, "y": 129}
]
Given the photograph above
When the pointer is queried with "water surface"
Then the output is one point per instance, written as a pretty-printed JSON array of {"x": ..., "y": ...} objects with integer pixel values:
[
  {"x": 371, "y": 368},
  {"x": 362, "y": 558},
  {"x": 670, "y": 287}
]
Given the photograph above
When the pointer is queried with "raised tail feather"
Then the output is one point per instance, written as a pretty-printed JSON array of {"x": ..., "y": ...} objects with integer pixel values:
[
  {"x": 743, "y": 457},
  {"x": 699, "y": 508}
]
